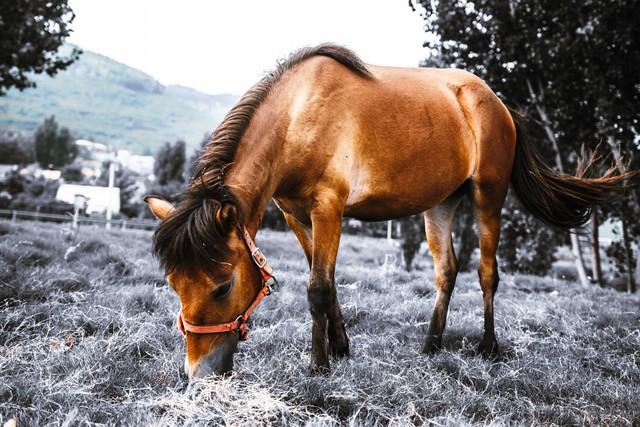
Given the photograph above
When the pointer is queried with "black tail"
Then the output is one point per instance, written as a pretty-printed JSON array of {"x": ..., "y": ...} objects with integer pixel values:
[{"x": 558, "y": 199}]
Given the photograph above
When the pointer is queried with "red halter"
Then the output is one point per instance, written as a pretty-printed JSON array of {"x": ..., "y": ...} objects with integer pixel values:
[{"x": 238, "y": 325}]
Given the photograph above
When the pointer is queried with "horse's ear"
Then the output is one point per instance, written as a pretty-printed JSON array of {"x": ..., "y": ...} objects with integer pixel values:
[
  {"x": 160, "y": 208},
  {"x": 227, "y": 217}
]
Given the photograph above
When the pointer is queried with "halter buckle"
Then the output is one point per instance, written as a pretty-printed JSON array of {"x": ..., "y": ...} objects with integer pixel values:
[
  {"x": 258, "y": 257},
  {"x": 271, "y": 283}
]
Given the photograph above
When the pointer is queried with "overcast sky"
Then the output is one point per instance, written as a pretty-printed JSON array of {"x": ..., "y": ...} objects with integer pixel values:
[{"x": 219, "y": 46}]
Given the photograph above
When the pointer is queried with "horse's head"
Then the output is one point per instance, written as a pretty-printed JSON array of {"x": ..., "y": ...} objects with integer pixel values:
[{"x": 211, "y": 269}]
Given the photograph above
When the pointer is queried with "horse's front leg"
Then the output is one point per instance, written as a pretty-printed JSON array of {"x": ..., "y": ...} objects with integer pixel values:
[{"x": 328, "y": 335}]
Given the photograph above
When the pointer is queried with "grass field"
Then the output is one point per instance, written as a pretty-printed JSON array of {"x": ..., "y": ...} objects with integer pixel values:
[{"x": 92, "y": 340}]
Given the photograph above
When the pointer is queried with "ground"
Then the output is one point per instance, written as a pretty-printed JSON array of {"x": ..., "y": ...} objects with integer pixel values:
[{"x": 92, "y": 340}]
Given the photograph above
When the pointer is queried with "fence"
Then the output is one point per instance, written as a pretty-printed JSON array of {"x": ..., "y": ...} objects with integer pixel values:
[{"x": 144, "y": 224}]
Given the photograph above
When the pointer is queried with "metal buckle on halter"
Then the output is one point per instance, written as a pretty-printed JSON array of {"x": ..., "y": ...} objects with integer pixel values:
[
  {"x": 254, "y": 255},
  {"x": 239, "y": 321},
  {"x": 271, "y": 283}
]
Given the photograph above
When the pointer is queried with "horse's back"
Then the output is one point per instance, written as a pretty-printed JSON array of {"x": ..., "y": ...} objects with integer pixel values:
[{"x": 399, "y": 142}]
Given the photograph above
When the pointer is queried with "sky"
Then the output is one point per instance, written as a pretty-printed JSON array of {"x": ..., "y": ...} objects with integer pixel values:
[{"x": 224, "y": 46}]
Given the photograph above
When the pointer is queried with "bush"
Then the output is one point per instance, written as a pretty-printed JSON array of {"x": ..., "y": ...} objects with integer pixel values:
[{"x": 526, "y": 245}]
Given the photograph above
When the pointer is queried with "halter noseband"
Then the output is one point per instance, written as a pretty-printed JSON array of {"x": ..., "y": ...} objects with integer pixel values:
[{"x": 238, "y": 325}]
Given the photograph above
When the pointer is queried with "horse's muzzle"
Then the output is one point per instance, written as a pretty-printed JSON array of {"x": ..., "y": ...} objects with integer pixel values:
[{"x": 218, "y": 361}]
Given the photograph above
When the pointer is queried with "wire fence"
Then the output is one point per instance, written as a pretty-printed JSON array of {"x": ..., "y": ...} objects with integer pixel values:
[{"x": 138, "y": 224}]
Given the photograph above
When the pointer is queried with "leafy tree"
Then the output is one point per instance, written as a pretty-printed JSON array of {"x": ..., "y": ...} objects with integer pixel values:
[
  {"x": 34, "y": 194},
  {"x": 525, "y": 246},
  {"x": 170, "y": 163},
  {"x": 413, "y": 234},
  {"x": 53, "y": 147},
  {"x": 15, "y": 149},
  {"x": 197, "y": 153},
  {"x": 31, "y": 32},
  {"x": 573, "y": 67}
]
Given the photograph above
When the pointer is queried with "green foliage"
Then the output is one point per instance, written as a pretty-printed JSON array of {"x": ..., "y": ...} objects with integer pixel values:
[
  {"x": 33, "y": 194},
  {"x": 412, "y": 229},
  {"x": 525, "y": 246},
  {"x": 170, "y": 162},
  {"x": 106, "y": 101},
  {"x": 73, "y": 174},
  {"x": 193, "y": 160},
  {"x": 16, "y": 149},
  {"x": 31, "y": 32},
  {"x": 572, "y": 67},
  {"x": 54, "y": 148}
]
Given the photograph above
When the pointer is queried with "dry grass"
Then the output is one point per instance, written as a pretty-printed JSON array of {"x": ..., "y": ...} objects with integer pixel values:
[{"x": 92, "y": 340}]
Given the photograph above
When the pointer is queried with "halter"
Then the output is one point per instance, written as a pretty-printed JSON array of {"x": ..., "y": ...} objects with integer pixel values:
[{"x": 238, "y": 325}]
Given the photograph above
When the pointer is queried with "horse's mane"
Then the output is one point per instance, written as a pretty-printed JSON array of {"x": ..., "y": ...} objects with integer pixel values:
[{"x": 189, "y": 239}]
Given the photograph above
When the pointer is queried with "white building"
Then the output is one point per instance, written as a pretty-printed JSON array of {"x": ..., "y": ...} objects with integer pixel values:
[
  {"x": 142, "y": 165},
  {"x": 99, "y": 199}
]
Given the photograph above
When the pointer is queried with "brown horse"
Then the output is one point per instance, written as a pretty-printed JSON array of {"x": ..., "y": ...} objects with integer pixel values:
[{"x": 327, "y": 136}]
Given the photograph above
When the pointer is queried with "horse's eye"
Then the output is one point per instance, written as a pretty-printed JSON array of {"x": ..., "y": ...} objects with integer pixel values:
[{"x": 221, "y": 290}]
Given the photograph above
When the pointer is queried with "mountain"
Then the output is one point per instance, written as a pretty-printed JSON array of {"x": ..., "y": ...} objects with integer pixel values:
[{"x": 103, "y": 100}]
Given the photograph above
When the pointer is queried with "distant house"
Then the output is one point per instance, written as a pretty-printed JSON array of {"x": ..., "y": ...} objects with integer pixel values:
[
  {"x": 99, "y": 199},
  {"x": 6, "y": 170},
  {"x": 50, "y": 174},
  {"x": 91, "y": 156},
  {"x": 142, "y": 165}
]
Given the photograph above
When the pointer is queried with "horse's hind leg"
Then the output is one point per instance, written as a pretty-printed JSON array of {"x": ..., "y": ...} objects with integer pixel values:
[
  {"x": 438, "y": 223},
  {"x": 488, "y": 200}
]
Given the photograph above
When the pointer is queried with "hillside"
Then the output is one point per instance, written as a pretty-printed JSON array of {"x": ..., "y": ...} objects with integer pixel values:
[
  {"x": 109, "y": 102},
  {"x": 91, "y": 339}
]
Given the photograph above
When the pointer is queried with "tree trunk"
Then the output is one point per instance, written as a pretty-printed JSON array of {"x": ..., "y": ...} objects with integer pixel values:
[
  {"x": 575, "y": 243},
  {"x": 628, "y": 252},
  {"x": 579, "y": 260},
  {"x": 595, "y": 248}
]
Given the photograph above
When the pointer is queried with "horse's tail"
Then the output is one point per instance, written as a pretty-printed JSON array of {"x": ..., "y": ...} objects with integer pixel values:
[{"x": 558, "y": 199}]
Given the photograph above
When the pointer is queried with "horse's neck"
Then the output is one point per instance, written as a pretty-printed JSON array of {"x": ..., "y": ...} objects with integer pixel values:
[{"x": 252, "y": 179}]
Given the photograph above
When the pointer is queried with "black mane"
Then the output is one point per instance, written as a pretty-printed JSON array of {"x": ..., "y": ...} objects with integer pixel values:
[{"x": 189, "y": 238}]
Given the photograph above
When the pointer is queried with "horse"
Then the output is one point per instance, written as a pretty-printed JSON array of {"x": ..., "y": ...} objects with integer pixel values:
[{"x": 326, "y": 136}]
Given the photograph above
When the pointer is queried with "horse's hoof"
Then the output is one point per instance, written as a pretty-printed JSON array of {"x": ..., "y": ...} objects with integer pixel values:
[
  {"x": 339, "y": 350},
  {"x": 489, "y": 349},
  {"x": 432, "y": 346}
]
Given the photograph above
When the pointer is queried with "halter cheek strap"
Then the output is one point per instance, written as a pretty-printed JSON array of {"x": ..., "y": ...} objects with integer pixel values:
[{"x": 238, "y": 325}]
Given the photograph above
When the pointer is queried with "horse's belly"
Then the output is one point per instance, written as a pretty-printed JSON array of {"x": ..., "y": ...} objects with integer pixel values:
[{"x": 371, "y": 204}]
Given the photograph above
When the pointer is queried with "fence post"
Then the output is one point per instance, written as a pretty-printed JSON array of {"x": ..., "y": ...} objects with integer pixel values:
[
  {"x": 124, "y": 224},
  {"x": 14, "y": 215}
]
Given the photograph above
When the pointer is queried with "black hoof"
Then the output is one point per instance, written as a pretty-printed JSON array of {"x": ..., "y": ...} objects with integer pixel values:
[
  {"x": 339, "y": 350},
  {"x": 432, "y": 345},
  {"x": 489, "y": 349}
]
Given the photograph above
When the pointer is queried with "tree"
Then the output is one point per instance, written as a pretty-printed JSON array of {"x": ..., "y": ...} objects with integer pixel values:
[
  {"x": 413, "y": 234},
  {"x": 15, "y": 149},
  {"x": 563, "y": 64},
  {"x": 54, "y": 147},
  {"x": 197, "y": 153},
  {"x": 31, "y": 32},
  {"x": 169, "y": 170},
  {"x": 170, "y": 163}
]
